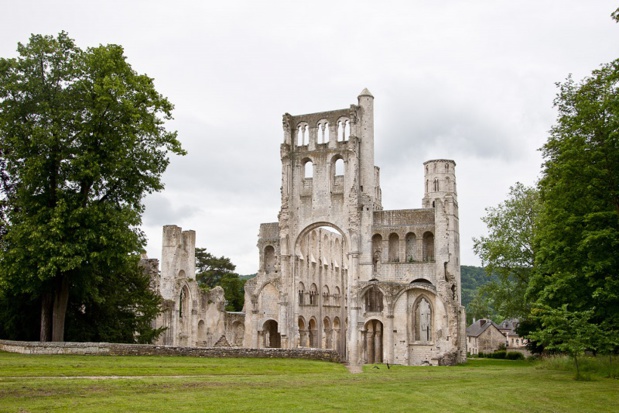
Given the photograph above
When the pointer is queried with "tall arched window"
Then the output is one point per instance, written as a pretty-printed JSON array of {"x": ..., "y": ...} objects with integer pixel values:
[
  {"x": 183, "y": 307},
  {"x": 313, "y": 295},
  {"x": 374, "y": 300},
  {"x": 301, "y": 290},
  {"x": 269, "y": 259},
  {"x": 423, "y": 321},
  {"x": 343, "y": 130},
  {"x": 308, "y": 169},
  {"x": 394, "y": 246},
  {"x": 302, "y": 135},
  {"x": 322, "y": 132},
  {"x": 339, "y": 167},
  {"x": 411, "y": 240},
  {"x": 428, "y": 246}
]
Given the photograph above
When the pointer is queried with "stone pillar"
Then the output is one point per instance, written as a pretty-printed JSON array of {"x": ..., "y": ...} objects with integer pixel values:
[
  {"x": 353, "y": 311},
  {"x": 388, "y": 336}
]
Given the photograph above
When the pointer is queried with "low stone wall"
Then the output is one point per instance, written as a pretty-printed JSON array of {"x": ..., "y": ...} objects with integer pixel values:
[{"x": 113, "y": 349}]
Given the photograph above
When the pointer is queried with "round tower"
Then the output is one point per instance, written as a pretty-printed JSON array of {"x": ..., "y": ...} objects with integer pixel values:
[{"x": 439, "y": 181}]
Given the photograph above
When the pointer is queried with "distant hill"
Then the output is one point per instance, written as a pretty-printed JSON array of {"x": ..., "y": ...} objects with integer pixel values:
[
  {"x": 472, "y": 278},
  {"x": 247, "y": 277}
]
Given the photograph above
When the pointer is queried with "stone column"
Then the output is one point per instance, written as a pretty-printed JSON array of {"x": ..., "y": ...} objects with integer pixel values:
[
  {"x": 388, "y": 336},
  {"x": 353, "y": 311}
]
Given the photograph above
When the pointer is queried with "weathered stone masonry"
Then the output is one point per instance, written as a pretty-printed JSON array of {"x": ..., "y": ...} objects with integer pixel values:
[{"x": 336, "y": 271}]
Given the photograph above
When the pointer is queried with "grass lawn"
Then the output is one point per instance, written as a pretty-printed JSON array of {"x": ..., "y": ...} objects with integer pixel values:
[{"x": 184, "y": 384}]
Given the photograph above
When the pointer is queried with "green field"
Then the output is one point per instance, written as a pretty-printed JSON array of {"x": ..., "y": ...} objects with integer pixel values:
[{"x": 185, "y": 384}]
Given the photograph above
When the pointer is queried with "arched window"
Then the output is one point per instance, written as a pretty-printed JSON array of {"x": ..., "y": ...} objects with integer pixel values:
[
  {"x": 308, "y": 169},
  {"x": 301, "y": 290},
  {"x": 423, "y": 321},
  {"x": 377, "y": 246},
  {"x": 183, "y": 307},
  {"x": 302, "y": 135},
  {"x": 313, "y": 333},
  {"x": 394, "y": 246},
  {"x": 313, "y": 295},
  {"x": 328, "y": 332},
  {"x": 339, "y": 167},
  {"x": 411, "y": 240},
  {"x": 428, "y": 247},
  {"x": 374, "y": 300},
  {"x": 343, "y": 130},
  {"x": 323, "y": 132},
  {"x": 269, "y": 259},
  {"x": 302, "y": 333}
]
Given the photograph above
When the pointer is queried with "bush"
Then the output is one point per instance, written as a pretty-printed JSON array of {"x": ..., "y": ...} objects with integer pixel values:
[
  {"x": 499, "y": 354},
  {"x": 514, "y": 355}
]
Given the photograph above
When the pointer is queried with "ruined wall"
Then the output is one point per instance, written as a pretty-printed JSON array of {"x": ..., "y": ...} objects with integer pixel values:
[
  {"x": 337, "y": 271},
  {"x": 191, "y": 316},
  {"x": 115, "y": 349}
]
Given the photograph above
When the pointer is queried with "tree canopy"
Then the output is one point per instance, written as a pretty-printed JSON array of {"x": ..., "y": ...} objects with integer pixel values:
[
  {"x": 82, "y": 141},
  {"x": 508, "y": 252},
  {"x": 578, "y": 234},
  {"x": 212, "y": 271}
]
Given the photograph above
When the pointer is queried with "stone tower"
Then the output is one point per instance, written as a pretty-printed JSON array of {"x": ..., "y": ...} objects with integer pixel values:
[{"x": 336, "y": 271}]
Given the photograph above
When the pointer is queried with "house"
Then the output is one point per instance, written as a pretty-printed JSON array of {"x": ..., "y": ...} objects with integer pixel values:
[
  {"x": 484, "y": 336},
  {"x": 514, "y": 341}
]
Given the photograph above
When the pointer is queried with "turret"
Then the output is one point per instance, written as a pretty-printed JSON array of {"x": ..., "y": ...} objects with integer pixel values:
[
  {"x": 366, "y": 136},
  {"x": 439, "y": 182}
]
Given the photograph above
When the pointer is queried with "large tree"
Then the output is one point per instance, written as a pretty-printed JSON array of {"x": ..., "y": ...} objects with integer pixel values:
[
  {"x": 577, "y": 263},
  {"x": 507, "y": 252},
  {"x": 82, "y": 141}
]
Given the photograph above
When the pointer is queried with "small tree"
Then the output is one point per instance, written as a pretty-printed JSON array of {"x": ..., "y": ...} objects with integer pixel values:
[{"x": 566, "y": 331}]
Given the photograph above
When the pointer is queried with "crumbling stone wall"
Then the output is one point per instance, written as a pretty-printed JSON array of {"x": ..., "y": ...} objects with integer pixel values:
[
  {"x": 112, "y": 349},
  {"x": 337, "y": 271}
]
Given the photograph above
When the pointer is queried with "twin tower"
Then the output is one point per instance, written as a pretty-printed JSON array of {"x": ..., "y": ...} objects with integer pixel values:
[{"x": 337, "y": 271}]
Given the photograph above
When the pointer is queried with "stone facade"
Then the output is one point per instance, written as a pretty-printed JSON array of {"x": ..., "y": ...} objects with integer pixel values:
[
  {"x": 339, "y": 272},
  {"x": 484, "y": 336},
  {"x": 117, "y": 349},
  {"x": 336, "y": 271},
  {"x": 191, "y": 316}
]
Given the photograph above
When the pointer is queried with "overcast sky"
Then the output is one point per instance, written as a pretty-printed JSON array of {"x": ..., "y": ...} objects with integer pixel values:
[{"x": 472, "y": 81}]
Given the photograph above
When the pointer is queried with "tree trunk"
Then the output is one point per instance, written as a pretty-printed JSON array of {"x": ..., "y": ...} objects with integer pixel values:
[
  {"x": 46, "y": 317},
  {"x": 61, "y": 299}
]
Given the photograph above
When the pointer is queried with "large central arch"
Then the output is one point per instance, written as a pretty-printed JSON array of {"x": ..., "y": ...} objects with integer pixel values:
[{"x": 320, "y": 280}]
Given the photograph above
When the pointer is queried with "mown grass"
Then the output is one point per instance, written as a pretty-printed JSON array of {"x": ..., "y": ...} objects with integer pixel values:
[{"x": 184, "y": 384}]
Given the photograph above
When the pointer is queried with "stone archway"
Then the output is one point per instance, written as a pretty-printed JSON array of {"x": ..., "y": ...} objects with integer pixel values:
[
  {"x": 373, "y": 342},
  {"x": 272, "y": 338}
]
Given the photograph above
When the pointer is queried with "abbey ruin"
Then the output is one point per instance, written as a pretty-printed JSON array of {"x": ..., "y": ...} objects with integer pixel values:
[{"x": 336, "y": 271}]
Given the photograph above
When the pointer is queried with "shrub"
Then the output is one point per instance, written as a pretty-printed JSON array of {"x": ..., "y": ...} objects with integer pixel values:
[{"x": 514, "y": 355}]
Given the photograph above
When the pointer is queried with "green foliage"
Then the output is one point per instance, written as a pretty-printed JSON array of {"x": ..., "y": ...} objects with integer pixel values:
[
  {"x": 214, "y": 271},
  {"x": 477, "y": 305},
  {"x": 82, "y": 140},
  {"x": 514, "y": 355},
  {"x": 125, "y": 302},
  {"x": 508, "y": 253},
  {"x": 211, "y": 269},
  {"x": 234, "y": 291},
  {"x": 566, "y": 331},
  {"x": 578, "y": 236}
]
